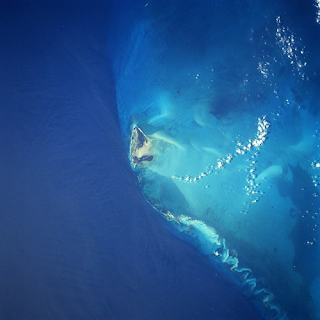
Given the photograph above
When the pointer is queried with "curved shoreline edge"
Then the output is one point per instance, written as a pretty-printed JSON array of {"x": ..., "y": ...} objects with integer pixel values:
[{"x": 208, "y": 242}]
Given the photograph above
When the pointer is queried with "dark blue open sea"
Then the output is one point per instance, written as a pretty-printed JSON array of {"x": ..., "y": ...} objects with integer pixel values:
[{"x": 221, "y": 221}]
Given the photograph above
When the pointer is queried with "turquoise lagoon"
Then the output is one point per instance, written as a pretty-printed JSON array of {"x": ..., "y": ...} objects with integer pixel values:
[{"x": 226, "y": 95}]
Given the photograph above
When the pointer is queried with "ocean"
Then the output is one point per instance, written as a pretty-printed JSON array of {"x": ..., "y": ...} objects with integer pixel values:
[{"x": 78, "y": 239}]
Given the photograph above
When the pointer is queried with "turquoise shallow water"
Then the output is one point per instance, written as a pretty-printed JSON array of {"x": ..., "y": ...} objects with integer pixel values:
[{"x": 228, "y": 94}]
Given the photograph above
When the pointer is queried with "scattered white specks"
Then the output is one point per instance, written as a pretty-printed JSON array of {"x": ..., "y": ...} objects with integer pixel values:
[
  {"x": 315, "y": 164},
  {"x": 241, "y": 149},
  {"x": 289, "y": 45},
  {"x": 263, "y": 69},
  {"x": 317, "y": 5}
]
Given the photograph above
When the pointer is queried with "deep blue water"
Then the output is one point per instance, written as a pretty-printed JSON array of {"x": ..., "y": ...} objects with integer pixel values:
[{"x": 78, "y": 240}]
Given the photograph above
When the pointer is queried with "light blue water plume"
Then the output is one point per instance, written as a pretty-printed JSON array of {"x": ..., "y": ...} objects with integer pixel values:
[{"x": 227, "y": 93}]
